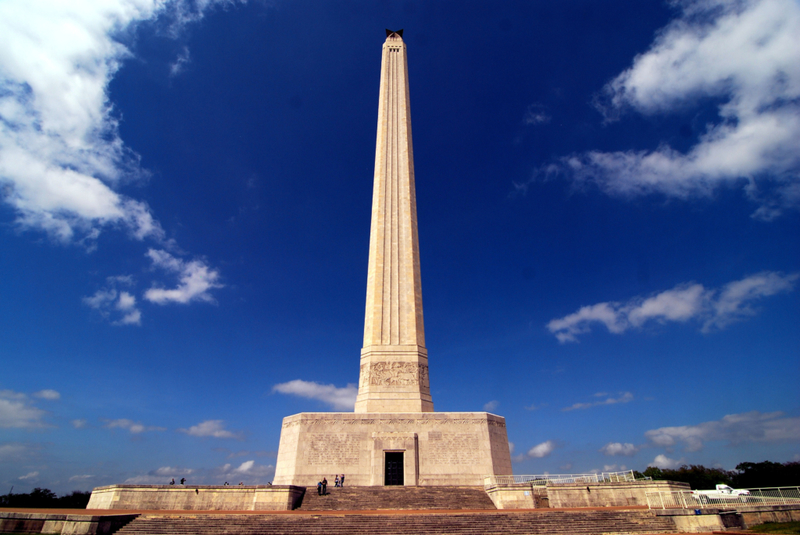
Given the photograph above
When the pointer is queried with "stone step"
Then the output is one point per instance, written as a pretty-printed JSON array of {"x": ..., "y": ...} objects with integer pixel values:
[
  {"x": 403, "y": 498},
  {"x": 509, "y": 523}
]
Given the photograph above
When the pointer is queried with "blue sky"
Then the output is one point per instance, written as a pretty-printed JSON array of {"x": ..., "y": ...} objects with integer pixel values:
[{"x": 608, "y": 204}]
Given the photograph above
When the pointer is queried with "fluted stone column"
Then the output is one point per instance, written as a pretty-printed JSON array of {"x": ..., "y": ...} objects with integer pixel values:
[{"x": 394, "y": 361}]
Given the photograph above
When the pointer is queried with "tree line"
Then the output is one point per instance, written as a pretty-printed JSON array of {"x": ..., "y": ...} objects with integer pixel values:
[
  {"x": 745, "y": 476},
  {"x": 40, "y": 497}
]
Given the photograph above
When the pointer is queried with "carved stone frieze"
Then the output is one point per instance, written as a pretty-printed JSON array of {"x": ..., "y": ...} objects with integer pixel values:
[{"x": 395, "y": 374}]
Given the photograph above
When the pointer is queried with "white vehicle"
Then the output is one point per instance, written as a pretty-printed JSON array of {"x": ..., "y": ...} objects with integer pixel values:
[{"x": 722, "y": 493}]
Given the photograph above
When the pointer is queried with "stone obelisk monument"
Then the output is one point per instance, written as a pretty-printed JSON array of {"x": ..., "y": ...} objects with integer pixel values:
[
  {"x": 394, "y": 361},
  {"x": 393, "y": 437}
]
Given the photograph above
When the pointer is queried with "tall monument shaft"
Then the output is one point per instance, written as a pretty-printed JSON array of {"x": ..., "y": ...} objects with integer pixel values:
[
  {"x": 393, "y": 437},
  {"x": 394, "y": 361}
]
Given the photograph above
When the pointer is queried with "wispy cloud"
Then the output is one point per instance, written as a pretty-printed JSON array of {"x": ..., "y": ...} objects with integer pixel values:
[
  {"x": 742, "y": 53},
  {"x": 12, "y": 451},
  {"x": 489, "y": 406},
  {"x": 210, "y": 428},
  {"x": 16, "y": 411},
  {"x": 180, "y": 62},
  {"x": 195, "y": 279},
  {"x": 338, "y": 398},
  {"x": 29, "y": 475},
  {"x": 535, "y": 407},
  {"x": 48, "y": 394},
  {"x": 536, "y": 114},
  {"x": 82, "y": 477},
  {"x": 715, "y": 309},
  {"x": 735, "y": 429},
  {"x": 605, "y": 399},
  {"x": 129, "y": 425},
  {"x": 117, "y": 305}
]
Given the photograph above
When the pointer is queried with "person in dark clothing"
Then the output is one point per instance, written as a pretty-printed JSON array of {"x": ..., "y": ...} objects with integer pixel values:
[
  {"x": 319, "y": 488},
  {"x": 341, "y": 481},
  {"x": 324, "y": 486},
  {"x": 183, "y": 480}
]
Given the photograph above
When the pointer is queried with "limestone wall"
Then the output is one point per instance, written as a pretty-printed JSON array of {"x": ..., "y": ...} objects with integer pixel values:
[
  {"x": 196, "y": 498},
  {"x": 61, "y": 524},
  {"x": 443, "y": 448},
  {"x": 608, "y": 494}
]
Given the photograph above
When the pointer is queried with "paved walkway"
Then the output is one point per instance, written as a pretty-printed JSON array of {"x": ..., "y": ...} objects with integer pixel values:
[{"x": 108, "y": 512}]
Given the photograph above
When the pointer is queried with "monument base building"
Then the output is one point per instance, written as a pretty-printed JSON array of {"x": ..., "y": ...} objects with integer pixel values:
[
  {"x": 394, "y": 437},
  {"x": 412, "y": 448}
]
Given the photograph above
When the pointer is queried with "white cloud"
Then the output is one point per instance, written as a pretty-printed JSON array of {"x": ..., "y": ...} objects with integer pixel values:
[
  {"x": 624, "y": 397},
  {"x": 716, "y": 309},
  {"x": 81, "y": 477},
  {"x": 617, "y": 448},
  {"x": 29, "y": 475},
  {"x": 542, "y": 450},
  {"x": 50, "y": 395},
  {"x": 130, "y": 425},
  {"x": 61, "y": 156},
  {"x": 210, "y": 428},
  {"x": 662, "y": 461},
  {"x": 245, "y": 467},
  {"x": 60, "y": 152},
  {"x": 195, "y": 280},
  {"x": 739, "y": 428},
  {"x": 744, "y": 53},
  {"x": 17, "y": 412},
  {"x": 111, "y": 303},
  {"x": 338, "y": 398},
  {"x": 78, "y": 423},
  {"x": 491, "y": 405}
]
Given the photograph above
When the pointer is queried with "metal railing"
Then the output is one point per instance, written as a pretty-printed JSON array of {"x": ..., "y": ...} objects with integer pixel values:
[
  {"x": 551, "y": 479},
  {"x": 687, "y": 500}
]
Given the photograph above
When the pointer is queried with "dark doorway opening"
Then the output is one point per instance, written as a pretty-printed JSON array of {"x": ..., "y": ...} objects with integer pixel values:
[{"x": 394, "y": 468}]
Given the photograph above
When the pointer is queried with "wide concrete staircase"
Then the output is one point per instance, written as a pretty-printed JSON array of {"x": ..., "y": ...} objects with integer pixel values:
[
  {"x": 378, "y": 498},
  {"x": 404, "y": 523}
]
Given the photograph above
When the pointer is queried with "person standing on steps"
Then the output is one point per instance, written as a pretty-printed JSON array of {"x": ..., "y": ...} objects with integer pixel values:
[
  {"x": 324, "y": 486},
  {"x": 319, "y": 488},
  {"x": 336, "y": 481},
  {"x": 341, "y": 481}
]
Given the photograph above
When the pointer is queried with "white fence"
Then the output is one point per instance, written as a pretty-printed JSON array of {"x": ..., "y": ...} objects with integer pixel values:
[
  {"x": 687, "y": 500},
  {"x": 549, "y": 479}
]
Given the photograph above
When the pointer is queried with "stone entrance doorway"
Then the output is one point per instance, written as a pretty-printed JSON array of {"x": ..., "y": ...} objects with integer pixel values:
[{"x": 394, "y": 468}]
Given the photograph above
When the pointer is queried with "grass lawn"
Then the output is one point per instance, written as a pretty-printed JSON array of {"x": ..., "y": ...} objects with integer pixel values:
[{"x": 792, "y": 528}]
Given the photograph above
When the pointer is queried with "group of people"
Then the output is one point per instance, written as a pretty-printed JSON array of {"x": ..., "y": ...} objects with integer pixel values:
[
  {"x": 322, "y": 486},
  {"x": 183, "y": 481}
]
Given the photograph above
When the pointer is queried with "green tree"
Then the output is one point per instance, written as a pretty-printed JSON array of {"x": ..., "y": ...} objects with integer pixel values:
[
  {"x": 698, "y": 476},
  {"x": 767, "y": 474}
]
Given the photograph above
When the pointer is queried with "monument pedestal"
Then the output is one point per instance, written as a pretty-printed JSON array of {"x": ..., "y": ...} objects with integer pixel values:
[{"x": 411, "y": 448}]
